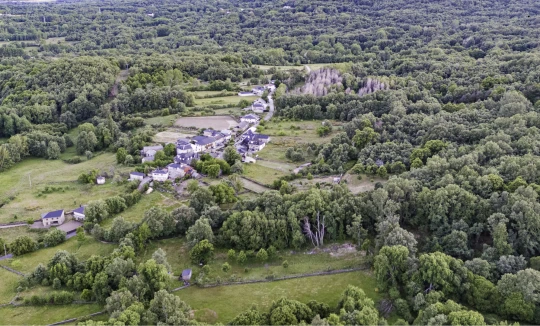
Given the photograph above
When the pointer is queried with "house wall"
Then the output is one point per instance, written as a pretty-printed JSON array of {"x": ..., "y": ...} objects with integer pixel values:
[
  {"x": 135, "y": 177},
  {"x": 50, "y": 221},
  {"x": 176, "y": 173},
  {"x": 160, "y": 177},
  {"x": 78, "y": 216}
]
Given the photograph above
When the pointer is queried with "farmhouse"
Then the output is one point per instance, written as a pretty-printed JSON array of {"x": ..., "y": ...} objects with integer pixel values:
[
  {"x": 258, "y": 107},
  {"x": 136, "y": 176},
  {"x": 78, "y": 214},
  {"x": 250, "y": 118},
  {"x": 53, "y": 218},
  {"x": 148, "y": 152},
  {"x": 160, "y": 175}
]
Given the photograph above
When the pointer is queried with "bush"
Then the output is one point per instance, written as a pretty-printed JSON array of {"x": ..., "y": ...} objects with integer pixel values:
[
  {"x": 57, "y": 283},
  {"x": 54, "y": 237},
  {"x": 285, "y": 264},
  {"x": 226, "y": 267}
]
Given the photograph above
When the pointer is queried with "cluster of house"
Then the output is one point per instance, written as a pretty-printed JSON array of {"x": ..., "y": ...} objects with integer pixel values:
[
  {"x": 259, "y": 90},
  {"x": 251, "y": 142},
  {"x": 209, "y": 142},
  {"x": 58, "y": 217},
  {"x": 258, "y": 106}
]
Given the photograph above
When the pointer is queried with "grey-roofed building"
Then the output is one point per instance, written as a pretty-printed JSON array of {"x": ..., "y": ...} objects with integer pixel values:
[
  {"x": 78, "y": 213},
  {"x": 241, "y": 126},
  {"x": 186, "y": 275},
  {"x": 148, "y": 152},
  {"x": 53, "y": 218},
  {"x": 202, "y": 143},
  {"x": 136, "y": 176}
]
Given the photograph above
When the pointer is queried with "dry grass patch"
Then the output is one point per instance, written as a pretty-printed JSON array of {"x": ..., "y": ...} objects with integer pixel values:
[{"x": 215, "y": 122}]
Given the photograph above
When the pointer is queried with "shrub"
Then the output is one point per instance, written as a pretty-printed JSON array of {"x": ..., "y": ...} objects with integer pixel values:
[{"x": 285, "y": 264}]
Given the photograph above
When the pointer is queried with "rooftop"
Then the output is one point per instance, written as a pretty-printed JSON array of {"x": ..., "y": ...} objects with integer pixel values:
[
  {"x": 203, "y": 140},
  {"x": 250, "y": 117},
  {"x": 160, "y": 172},
  {"x": 137, "y": 173},
  {"x": 53, "y": 214},
  {"x": 79, "y": 210}
]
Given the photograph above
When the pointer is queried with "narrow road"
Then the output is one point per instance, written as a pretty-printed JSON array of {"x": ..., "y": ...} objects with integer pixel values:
[
  {"x": 308, "y": 69},
  {"x": 270, "y": 108},
  {"x": 6, "y": 257}
]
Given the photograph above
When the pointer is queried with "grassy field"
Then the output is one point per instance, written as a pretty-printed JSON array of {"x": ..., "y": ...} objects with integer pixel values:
[
  {"x": 166, "y": 121},
  {"x": 7, "y": 286},
  {"x": 136, "y": 213},
  {"x": 27, "y": 263},
  {"x": 42, "y": 315},
  {"x": 253, "y": 186},
  {"x": 10, "y": 234},
  {"x": 266, "y": 67},
  {"x": 30, "y": 201},
  {"x": 224, "y": 100},
  {"x": 331, "y": 258},
  {"x": 262, "y": 174},
  {"x": 221, "y": 304}
]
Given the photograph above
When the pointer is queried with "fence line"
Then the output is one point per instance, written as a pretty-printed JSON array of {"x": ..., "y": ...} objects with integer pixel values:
[{"x": 12, "y": 270}]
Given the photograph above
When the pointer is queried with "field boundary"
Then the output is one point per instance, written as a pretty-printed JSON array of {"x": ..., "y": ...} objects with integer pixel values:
[
  {"x": 12, "y": 270},
  {"x": 260, "y": 184},
  {"x": 337, "y": 271},
  {"x": 65, "y": 321}
]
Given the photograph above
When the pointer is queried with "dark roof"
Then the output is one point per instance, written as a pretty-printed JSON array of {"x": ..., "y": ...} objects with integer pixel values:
[
  {"x": 260, "y": 137},
  {"x": 203, "y": 140},
  {"x": 160, "y": 172},
  {"x": 53, "y": 214},
  {"x": 186, "y": 272},
  {"x": 137, "y": 173},
  {"x": 250, "y": 116},
  {"x": 258, "y": 105},
  {"x": 183, "y": 146},
  {"x": 174, "y": 166},
  {"x": 79, "y": 210}
]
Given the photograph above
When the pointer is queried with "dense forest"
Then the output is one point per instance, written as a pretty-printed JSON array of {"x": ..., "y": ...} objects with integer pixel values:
[{"x": 442, "y": 98}]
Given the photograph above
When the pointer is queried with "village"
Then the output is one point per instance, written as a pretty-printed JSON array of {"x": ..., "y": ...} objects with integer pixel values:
[{"x": 243, "y": 136}]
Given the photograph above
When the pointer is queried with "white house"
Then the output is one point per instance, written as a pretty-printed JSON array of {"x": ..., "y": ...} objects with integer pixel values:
[
  {"x": 136, "y": 176},
  {"x": 250, "y": 118},
  {"x": 160, "y": 175},
  {"x": 78, "y": 214},
  {"x": 100, "y": 180},
  {"x": 53, "y": 218},
  {"x": 226, "y": 133},
  {"x": 202, "y": 143}
]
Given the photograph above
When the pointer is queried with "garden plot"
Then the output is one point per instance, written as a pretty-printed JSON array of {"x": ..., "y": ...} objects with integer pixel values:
[{"x": 171, "y": 136}]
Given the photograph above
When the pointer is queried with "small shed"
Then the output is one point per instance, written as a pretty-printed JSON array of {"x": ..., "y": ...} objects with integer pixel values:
[
  {"x": 186, "y": 275},
  {"x": 100, "y": 180}
]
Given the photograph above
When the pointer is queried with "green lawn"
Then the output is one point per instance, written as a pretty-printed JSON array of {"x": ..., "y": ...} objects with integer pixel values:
[
  {"x": 7, "y": 286},
  {"x": 262, "y": 174},
  {"x": 28, "y": 262},
  {"x": 30, "y": 201},
  {"x": 42, "y": 315},
  {"x": 166, "y": 121},
  {"x": 223, "y": 303}
]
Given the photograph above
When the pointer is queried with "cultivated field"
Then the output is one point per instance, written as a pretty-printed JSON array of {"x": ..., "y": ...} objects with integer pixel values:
[
  {"x": 261, "y": 173},
  {"x": 215, "y": 122}
]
